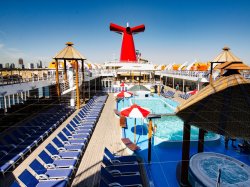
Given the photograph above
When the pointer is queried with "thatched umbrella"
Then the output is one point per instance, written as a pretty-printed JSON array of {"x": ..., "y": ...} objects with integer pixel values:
[
  {"x": 222, "y": 107},
  {"x": 226, "y": 56},
  {"x": 69, "y": 53}
]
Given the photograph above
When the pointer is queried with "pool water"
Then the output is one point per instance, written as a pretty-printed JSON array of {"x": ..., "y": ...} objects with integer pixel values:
[
  {"x": 231, "y": 173},
  {"x": 156, "y": 105},
  {"x": 170, "y": 128}
]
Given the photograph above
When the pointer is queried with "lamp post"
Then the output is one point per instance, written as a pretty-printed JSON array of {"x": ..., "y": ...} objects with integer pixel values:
[{"x": 150, "y": 117}]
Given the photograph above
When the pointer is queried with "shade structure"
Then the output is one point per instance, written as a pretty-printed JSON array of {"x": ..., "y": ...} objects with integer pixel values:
[
  {"x": 123, "y": 94},
  {"x": 232, "y": 66},
  {"x": 69, "y": 53},
  {"x": 135, "y": 111},
  {"x": 226, "y": 56},
  {"x": 222, "y": 107}
]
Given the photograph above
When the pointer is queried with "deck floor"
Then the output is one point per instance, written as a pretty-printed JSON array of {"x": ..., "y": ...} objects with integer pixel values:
[{"x": 107, "y": 134}]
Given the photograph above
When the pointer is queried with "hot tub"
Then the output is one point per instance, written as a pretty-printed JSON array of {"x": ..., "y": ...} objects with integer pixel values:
[{"x": 204, "y": 170}]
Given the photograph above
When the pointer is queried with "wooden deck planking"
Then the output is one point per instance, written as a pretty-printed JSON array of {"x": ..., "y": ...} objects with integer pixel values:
[{"x": 107, "y": 134}]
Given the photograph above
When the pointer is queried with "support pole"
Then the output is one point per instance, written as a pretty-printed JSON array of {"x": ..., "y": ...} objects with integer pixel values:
[
  {"x": 135, "y": 132},
  {"x": 183, "y": 85},
  {"x": 83, "y": 83},
  {"x": 211, "y": 73},
  {"x": 149, "y": 139},
  {"x": 57, "y": 81},
  {"x": 173, "y": 83},
  {"x": 95, "y": 84},
  {"x": 9, "y": 101},
  {"x": 65, "y": 70},
  {"x": 89, "y": 87},
  {"x": 201, "y": 140},
  {"x": 77, "y": 87},
  {"x": 185, "y": 154}
]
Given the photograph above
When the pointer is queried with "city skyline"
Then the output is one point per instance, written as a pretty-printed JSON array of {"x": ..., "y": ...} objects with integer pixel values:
[{"x": 176, "y": 31}]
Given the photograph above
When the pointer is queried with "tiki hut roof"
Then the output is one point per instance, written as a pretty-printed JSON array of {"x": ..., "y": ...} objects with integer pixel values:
[
  {"x": 226, "y": 56},
  {"x": 222, "y": 107},
  {"x": 69, "y": 53},
  {"x": 232, "y": 65}
]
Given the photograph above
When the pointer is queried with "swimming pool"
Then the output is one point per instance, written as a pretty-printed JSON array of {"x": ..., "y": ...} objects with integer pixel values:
[
  {"x": 170, "y": 128},
  {"x": 156, "y": 105},
  {"x": 204, "y": 170}
]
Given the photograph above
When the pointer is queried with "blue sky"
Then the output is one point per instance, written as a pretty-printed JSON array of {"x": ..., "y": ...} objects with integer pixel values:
[{"x": 176, "y": 30}]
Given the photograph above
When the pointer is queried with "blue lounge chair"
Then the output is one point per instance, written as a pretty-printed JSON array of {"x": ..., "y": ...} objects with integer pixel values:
[
  {"x": 30, "y": 181},
  {"x": 109, "y": 155},
  {"x": 133, "y": 180},
  {"x": 81, "y": 127},
  {"x": 59, "y": 163},
  {"x": 66, "y": 140},
  {"x": 62, "y": 155},
  {"x": 44, "y": 173},
  {"x": 75, "y": 136},
  {"x": 67, "y": 147},
  {"x": 78, "y": 131}
]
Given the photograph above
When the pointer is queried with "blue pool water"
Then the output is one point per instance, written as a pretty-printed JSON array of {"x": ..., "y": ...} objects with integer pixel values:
[
  {"x": 156, "y": 105},
  {"x": 204, "y": 169},
  {"x": 170, "y": 128}
]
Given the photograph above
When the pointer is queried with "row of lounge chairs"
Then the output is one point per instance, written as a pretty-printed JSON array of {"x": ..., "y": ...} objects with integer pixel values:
[
  {"x": 120, "y": 171},
  {"x": 168, "y": 94},
  {"x": 19, "y": 141},
  {"x": 58, "y": 162},
  {"x": 185, "y": 96}
]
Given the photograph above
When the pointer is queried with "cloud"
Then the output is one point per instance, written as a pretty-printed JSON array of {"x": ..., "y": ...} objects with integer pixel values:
[{"x": 1, "y": 45}]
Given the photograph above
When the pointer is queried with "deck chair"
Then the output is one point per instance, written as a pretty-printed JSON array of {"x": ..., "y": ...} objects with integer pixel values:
[
  {"x": 59, "y": 163},
  {"x": 114, "y": 158},
  {"x": 62, "y": 155},
  {"x": 30, "y": 181},
  {"x": 43, "y": 173},
  {"x": 122, "y": 180}
]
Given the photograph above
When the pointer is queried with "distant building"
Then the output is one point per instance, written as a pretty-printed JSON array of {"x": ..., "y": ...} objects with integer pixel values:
[
  {"x": 7, "y": 65},
  {"x": 37, "y": 65},
  {"x": 12, "y": 66},
  {"x": 40, "y": 64},
  {"x": 31, "y": 66},
  {"x": 20, "y": 63},
  {"x": 1, "y": 66}
]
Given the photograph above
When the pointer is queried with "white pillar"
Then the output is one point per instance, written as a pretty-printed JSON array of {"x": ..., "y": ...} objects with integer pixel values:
[
  {"x": 183, "y": 85},
  {"x": 28, "y": 93},
  {"x": 14, "y": 102},
  {"x": 17, "y": 98},
  {"x": 22, "y": 96},
  {"x": 173, "y": 82},
  {"x": 166, "y": 81},
  {"x": 5, "y": 104},
  {"x": 9, "y": 100},
  {"x": 25, "y": 96},
  {"x": 95, "y": 84},
  {"x": 89, "y": 88}
]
